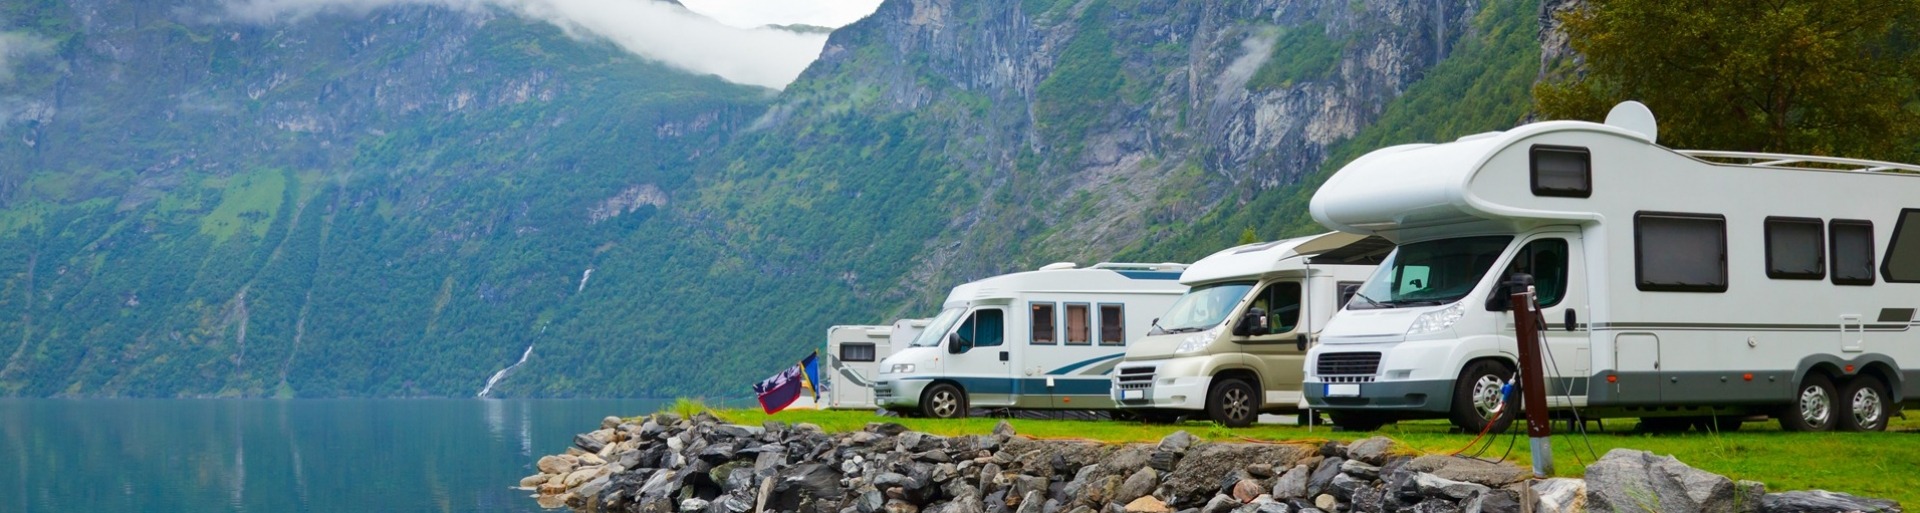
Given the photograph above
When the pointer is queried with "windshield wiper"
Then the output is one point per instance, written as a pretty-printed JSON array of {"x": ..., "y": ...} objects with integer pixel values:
[{"x": 1371, "y": 302}]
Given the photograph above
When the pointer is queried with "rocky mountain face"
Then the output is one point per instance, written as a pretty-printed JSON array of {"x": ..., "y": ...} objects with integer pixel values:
[{"x": 400, "y": 202}]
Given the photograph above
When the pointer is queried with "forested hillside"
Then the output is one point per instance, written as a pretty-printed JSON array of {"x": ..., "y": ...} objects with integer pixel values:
[{"x": 399, "y": 202}]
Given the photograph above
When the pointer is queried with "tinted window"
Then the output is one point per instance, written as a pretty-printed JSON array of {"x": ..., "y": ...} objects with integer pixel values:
[
  {"x": 1903, "y": 254},
  {"x": 1113, "y": 325},
  {"x": 1852, "y": 247},
  {"x": 1347, "y": 289},
  {"x": 983, "y": 328},
  {"x": 1794, "y": 249},
  {"x": 854, "y": 352},
  {"x": 1680, "y": 252},
  {"x": 1044, "y": 331},
  {"x": 1281, "y": 301},
  {"x": 1079, "y": 325},
  {"x": 1561, "y": 171},
  {"x": 1546, "y": 261}
]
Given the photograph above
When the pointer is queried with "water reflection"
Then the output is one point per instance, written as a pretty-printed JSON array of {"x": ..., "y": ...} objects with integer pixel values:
[{"x": 283, "y": 456}]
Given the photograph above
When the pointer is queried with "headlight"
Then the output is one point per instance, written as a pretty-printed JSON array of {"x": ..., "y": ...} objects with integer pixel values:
[
  {"x": 1195, "y": 342},
  {"x": 900, "y": 368},
  {"x": 1436, "y": 320}
]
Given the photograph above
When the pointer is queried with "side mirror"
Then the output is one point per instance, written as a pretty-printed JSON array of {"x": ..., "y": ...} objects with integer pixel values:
[
  {"x": 1500, "y": 300},
  {"x": 1300, "y": 342},
  {"x": 954, "y": 344},
  {"x": 1252, "y": 323}
]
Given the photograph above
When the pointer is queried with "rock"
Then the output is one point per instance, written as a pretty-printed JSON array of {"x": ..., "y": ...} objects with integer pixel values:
[
  {"x": 551, "y": 489},
  {"x": 1163, "y": 461},
  {"x": 808, "y": 428},
  {"x": 1748, "y": 496},
  {"x": 885, "y": 428},
  {"x": 1368, "y": 498},
  {"x": 804, "y": 483},
  {"x": 1003, "y": 429},
  {"x": 1627, "y": 479},
  {"x": 1323, "y": 476},
  {"x": 556, "y": 464},
  {"x": 869, "y": 502},
  {"x": 1260, "y": 470},
  {"x": 1325, "y": 502},
  {"x": 693, "y": 504},
  {"x": 1469, "y": 470},
  {"x": 553, "y": 501},
  {"x": 1560, "y": 494},
  {"x": 1292, "y": 484},
  {"x": 1343, "y": 487},
  {"x": 581, "y": 476},
  {"x": 1333, "y": 449},
  {"x": 1246, "y": 489},
  {"x": 591, "y": 460},
  {"x": 1198, "y": 476},
  {"x": 588, "y": 443},
  {"x": 1438, "y": 487},
  {"x": 1496, "y": 501},
  {"x": 1822, "y": 501},
  {"x": 1141, "y": 483},
  {"x": 1178, "y": 442},
  {"x": 1435, "y": 506},
  {"x": 610, "y": 422},
  {"x": 900, "y": 506},
  {"x": 1360, "y": 470},
  {"x": 1147, "y": 504},
  {"x": 1220, "y": 504},
  {"x": 1032, "y": 502},
  {"x": 1373, "y": 451},
  {"x": 535, "y": 480},
  {"x": 731, "y": 503}
]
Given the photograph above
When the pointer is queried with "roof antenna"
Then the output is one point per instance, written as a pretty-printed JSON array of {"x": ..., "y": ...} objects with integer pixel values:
[{"x": 1634, "y": 117}]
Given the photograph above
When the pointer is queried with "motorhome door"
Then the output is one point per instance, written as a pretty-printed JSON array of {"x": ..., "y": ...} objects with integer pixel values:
[
  {"x": 1554, "y": 260},
  {"x": 981, "y": 364},
  {"x": 1281, "y": 358}
]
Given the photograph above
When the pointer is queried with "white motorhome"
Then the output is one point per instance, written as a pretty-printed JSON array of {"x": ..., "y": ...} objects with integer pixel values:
[
  {"x": 1235, "y": 345},
  {"x": 1677, "y": 286},
  {"x": 853, "y": 360},
  {"x": 1042, "y": 339}
]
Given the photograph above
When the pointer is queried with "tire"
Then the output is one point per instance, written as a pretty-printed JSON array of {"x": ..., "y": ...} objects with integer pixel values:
[
  {"x": 1357, "y": 421},
  {"x": 1233, "y": 402},
  {"x": 1476, "y": 393},
  {"x": 943, "y": 401},
  {"x": 1814, "y": 406},
  {"x": 1864, "y": 405}
]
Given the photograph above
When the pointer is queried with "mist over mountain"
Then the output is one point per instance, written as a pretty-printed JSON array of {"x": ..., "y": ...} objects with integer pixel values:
[{"x": 399, "y": 198}]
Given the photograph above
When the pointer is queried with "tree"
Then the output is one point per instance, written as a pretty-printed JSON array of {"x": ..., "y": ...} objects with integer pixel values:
[
  {"x": 1829, "y": 77},
  {"x": 1248, "y": 236}
]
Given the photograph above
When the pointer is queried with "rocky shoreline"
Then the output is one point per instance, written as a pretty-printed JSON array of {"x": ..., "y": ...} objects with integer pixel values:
[{"x": 666, "y": 463}]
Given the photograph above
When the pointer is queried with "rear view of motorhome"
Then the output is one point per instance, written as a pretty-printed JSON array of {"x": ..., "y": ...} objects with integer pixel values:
[
  {"x": 1682, "y": 287},
  {"x": 1043, "y": 339},
  {"x": 1235, "y": 345}
]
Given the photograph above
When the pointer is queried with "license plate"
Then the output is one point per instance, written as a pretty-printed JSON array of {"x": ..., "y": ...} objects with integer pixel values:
[
  {"x": 1133, "y": 394},
  {"x": 1343, "y": 390}
]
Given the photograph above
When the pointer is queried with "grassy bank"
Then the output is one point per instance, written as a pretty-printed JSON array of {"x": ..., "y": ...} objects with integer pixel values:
[{"x": 1871, "y": 464}]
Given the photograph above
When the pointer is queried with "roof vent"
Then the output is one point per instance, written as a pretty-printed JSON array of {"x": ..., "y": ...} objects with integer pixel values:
[
  {"x": 1634, "y": 117},
  {"x": 1058, "y": 266}
]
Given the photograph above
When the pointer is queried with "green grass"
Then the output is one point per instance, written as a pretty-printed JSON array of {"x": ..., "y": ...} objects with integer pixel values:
[
  {"x": 1867, "y": 464},
  {"x": 248, "y": 202}
]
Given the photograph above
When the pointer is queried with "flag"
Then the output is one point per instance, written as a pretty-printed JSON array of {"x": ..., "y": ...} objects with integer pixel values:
[
  {"x": 779, "y": 391},
  {"x": 810, "y": 368}
]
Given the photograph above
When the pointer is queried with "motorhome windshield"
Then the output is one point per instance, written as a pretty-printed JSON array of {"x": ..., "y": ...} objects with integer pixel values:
[
  {"x": 1434, "y": 272},
  {"x": 1203, "y": 307},
  {"x": 937, "y": 328}
]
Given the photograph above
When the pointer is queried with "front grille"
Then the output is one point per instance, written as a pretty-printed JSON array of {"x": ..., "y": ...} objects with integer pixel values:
[
  {"x": 1347, "y": 364},
  {"x": 1347, "y": 379},
  {"x": 882, "y": 391},
  {"x": 1134, "y": 377}
]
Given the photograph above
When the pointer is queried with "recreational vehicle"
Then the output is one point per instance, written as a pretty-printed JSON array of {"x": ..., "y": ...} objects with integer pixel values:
[
  {"x": 1042, "y": 339},
  {"x": 1235, "y": 344},
  {"x": 1687, "y": 288},
  {"x": 853, "y": 360}
]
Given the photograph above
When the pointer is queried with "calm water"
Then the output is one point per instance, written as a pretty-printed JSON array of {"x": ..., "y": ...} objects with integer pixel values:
[{"x": 283, "y": 456}]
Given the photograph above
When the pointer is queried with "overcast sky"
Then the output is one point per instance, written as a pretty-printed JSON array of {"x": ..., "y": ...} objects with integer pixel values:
[{"x": 720, "y": 37}]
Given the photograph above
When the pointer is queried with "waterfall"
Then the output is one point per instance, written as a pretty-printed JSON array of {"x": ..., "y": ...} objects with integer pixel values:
[{"x": 497, "y": 376}]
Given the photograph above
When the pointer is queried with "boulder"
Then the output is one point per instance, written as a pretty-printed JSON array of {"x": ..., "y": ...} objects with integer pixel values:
[
  {"x": 1198, "y": 475},
  {"x": 900, "y": 506},
  {"x": 885, "y": 428},
  {"x": 1344, "y": 486},
  {"x": 1360, "y": 470},
  {"x": 1468, "y": 469},
  {"x": 1323, "y": 476},
  {"x": 610, "y": 422},
  {"x": 803, "y": 484},
  {"x": 1748, "y": 496},
  {"x": 1630, "y": 480},
  {"x": 1326, "y": 502},
  {"x": 1260, "y": 470},
  {"x": 693, "y": 504},
  {"x": 1822, "y": 501},
  {"x": 1373, "y": 451},
  {"x": 1438, "y": 487},
  {"x": 1177, "y": 442},
  {"x": 557, "y": 464},
  {"x": 1368, "y": 498},
  {"x": 1003, "y": 429},
  {"x": 1435, "y": 506},
  {"x": 1246, "y": 489},
  {"x": 1141, "y": 483},
  {"x": 1496, "y": 501},
  {"x": 1292, "y": 484},
  {"x": 1147, "y": 504},
  {"x": 588, "y": 443},
  {"x": 535, "y": 480},
  {"x": 1560, "y": 494},
  {"x": 1220, "y": 504}
]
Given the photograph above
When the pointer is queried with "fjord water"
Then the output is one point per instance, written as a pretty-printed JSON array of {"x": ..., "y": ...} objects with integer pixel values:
[{"x": 345, "y": 455}]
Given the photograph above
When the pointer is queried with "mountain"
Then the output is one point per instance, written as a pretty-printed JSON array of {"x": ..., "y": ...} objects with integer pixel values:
[{"x": 399, "y": 202}]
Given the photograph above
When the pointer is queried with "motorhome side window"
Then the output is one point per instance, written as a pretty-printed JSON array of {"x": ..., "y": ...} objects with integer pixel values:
[
  {"x": 1113, "y": 324},
  {"x": 1677, "y": 252},
  {"x": 1903, "y": 253},
  {"x": 1852, "y": 247},
  {"x": 1795, "y": 250},
  {"x": 984, "y": 328},
  {"x": 852, "y": 352},
  {"x": 1347, "y": 290},
  {"x": 1563, "y": 171},
  {"x": 1546, "y": 261},
  {"x": 1281, "y": 301},
  {"x": 1042, "y": 321},
  {"x": 1079, "y": 324}
]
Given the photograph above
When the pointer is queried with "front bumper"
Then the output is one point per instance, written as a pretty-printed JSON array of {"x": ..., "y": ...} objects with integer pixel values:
[
  {"x": 898, "y": 393},
  {"x": 1143, "y": 387},
  {"x": 1414, "y": 398}
]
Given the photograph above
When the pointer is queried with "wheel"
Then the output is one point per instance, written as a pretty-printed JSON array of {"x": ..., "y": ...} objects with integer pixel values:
[
  {"x": 1357, "y": 421},
  {"x": 1232, "y": 402},
  {"x": 1812, "y": 408},
  {"x": 1866, "y": 405},
  {"x": 943, "y": 401},
  {"x": 1477, "y": 393}
]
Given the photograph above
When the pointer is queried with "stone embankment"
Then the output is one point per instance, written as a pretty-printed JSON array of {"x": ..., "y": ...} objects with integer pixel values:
[{"x": 666, "y": 464}]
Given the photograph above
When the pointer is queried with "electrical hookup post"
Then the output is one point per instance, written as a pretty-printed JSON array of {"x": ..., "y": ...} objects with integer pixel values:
[{"x": 1533, "y": 389}]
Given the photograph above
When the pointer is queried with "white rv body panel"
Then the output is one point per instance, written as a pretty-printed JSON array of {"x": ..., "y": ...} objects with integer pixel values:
[
  {"x": 853, "y": 358},
  {"x": 1625, "y": 336},
  {"x": 1173, "y": 370},
  {"x": 1061, "y": 330}
]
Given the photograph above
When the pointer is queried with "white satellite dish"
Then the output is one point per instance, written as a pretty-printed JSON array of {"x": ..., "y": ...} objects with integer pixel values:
[{"x": 1634, "y": 116}]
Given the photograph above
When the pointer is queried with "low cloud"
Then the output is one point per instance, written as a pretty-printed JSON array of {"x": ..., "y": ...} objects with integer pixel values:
[
  {"x": 756, "y": 13},
  {"x": 656, "y": 30},
  {"x": 16, "y": 47}
]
